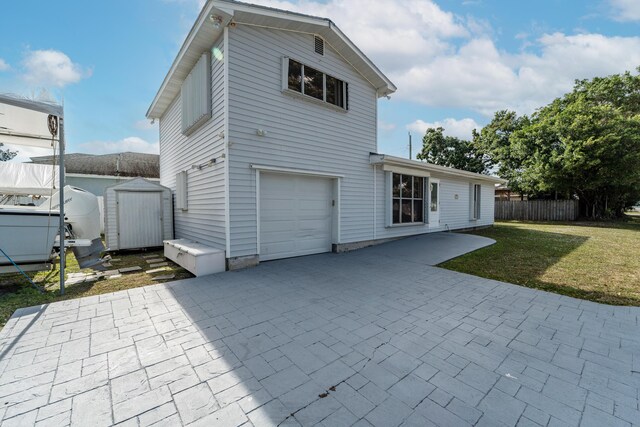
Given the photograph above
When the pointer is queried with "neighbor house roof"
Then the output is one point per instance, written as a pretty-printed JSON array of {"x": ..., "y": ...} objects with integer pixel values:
[
  {"x": 385, "y": 159},
  {"x": 116, "y": 164},
  {"x": 204, "y": 33}
]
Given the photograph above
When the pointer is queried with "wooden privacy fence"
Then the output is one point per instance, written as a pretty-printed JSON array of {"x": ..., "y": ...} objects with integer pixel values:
[{"x": 537, "y": 210}]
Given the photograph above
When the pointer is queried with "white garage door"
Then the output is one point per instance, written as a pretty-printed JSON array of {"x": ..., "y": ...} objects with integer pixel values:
[{"x": 295, "y": 215}]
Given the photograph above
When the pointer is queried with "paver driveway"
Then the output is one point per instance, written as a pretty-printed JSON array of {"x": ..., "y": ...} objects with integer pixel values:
[{"x": 370, "y": 337}]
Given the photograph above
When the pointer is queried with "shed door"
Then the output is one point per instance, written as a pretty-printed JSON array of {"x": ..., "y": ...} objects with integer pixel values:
[
  {"x": 295, "y": 215},
  {"x": 139, "y": 219}
]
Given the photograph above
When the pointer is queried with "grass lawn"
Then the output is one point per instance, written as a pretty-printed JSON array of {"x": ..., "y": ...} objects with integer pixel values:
[
  {"x": 16, "y": 292},
  {"x": 597, "y": 261}
]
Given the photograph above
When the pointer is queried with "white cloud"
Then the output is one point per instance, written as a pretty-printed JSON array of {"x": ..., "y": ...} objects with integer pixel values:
[
  {"x": 392, "y": 34},
  {"x": 196, "y": 3},
  {"x": 480, "y": 77},
  {"x": 386, "y": 126},
  {"x": 131, "y": 143},
  {"x": 145, "y": 125},
  {"x": 52, "y": 68},
  {"x": 3, "y": 65},
  {"x": 437, "y": 58},
  {"x": 626, "y": 10},
  {"x": 452, "y": 127}
]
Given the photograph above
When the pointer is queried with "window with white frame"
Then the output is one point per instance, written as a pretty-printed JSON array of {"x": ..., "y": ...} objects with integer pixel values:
[
  {"x": 475, "y": 201},
  {"x": 407, "y": 196},
  {"x": 308, "y": 81}
]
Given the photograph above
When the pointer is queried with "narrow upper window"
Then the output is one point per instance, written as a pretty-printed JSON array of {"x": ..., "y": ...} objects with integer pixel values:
[
  {"x": 475, "y": 201},
  {"x": 434, "y": 197},
  {"x": 316, "y": 84},
  {"x": 407, "y": 199},
  {"x": 319, "y": 45}
]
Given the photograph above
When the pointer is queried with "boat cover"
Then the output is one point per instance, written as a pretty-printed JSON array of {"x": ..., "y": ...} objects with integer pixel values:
[{"x": 28, "y": 179}]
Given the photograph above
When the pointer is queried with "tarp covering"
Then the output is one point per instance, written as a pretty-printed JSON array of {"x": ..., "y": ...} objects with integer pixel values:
[
  {"x": 24, "y": 122},
  {"x": 28, "y": 178}
]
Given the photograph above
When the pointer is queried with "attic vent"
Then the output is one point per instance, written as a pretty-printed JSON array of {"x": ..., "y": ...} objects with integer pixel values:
[{"x": 319, "y": 45}]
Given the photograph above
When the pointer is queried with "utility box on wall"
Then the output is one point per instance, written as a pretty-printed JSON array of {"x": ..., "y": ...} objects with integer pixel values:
[{"x": 137, "y": 214}]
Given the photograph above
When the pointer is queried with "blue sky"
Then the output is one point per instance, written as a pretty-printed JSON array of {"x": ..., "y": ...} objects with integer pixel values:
[{"x": 455, "y": 62}]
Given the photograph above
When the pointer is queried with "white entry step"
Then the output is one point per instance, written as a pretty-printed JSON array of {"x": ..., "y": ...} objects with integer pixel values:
[{"x": 195, "y": 257}]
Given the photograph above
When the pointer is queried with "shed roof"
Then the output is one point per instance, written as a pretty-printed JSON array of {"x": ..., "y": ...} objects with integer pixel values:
[
  {"x": 204, "y": 33},
  {"x": 116, "y": 164}
]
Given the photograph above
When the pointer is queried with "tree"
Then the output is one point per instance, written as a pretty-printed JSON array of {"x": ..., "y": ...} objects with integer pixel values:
[
  {"x": 507, "y": 158},
  {"x": 584, "y": 144},
  {"x": 451, "y": 151},
  {"x": 6, "y": 155}
]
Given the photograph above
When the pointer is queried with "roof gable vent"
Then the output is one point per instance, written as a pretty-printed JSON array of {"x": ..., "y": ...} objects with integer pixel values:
[{"x": 319, "y": 45}]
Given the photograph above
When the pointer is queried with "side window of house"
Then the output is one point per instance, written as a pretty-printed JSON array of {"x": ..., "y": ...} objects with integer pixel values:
[
  {"x": 313, "y": 83},
  {"x": 407, "y": 199},
  {"x": 475, "y": 201}
]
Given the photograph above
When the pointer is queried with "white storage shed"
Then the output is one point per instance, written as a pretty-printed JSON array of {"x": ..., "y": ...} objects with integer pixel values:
[{"x": 138, "y": 214}]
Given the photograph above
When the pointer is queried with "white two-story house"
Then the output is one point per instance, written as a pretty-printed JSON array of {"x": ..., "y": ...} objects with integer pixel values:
[{"x": 268, "y": 139}]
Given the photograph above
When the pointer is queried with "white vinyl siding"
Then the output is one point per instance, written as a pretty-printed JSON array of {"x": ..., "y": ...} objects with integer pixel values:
[
  {"x": 453, "y": 214},
  {"x": 300, "y": 134},
  {"x": 195, "y": 95},
  {"x": 205, "y": 220}
]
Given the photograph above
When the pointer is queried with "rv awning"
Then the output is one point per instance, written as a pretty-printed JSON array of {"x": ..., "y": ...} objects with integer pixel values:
[
  {"x": 28, "y": 178},
  {"x": 25, "y": 122}
]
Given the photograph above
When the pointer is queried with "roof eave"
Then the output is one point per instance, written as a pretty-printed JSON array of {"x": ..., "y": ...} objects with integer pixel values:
[
  {"x": 227, "y": 9},
  {"x": 379, "y": 159}
]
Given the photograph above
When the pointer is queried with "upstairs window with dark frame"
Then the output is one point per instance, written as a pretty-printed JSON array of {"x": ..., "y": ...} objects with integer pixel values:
[
  {"x": 316, "y": 84},
  {"x": 407, "y": 199}
]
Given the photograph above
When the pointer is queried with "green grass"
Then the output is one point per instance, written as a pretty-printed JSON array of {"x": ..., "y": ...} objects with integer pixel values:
[
  {"x": 16, "y": 292},
  {"x": 597, "y": 261}
]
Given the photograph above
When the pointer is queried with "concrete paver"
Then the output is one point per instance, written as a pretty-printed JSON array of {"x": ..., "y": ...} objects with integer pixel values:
[{"x": 374, "y": 337}]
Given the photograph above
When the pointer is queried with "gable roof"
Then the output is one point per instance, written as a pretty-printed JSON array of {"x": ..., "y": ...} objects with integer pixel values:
[
  {"x": 204, "y": 33},
  {"x": 116, "y": 164}
]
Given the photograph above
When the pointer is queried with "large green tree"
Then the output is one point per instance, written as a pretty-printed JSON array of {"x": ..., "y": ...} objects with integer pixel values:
[
  {"x": 6, "y": 155},
  {"x": 584, "y": 144},
  {"x": 451, "y": 151},
  {"x": 501, "y": 154}
]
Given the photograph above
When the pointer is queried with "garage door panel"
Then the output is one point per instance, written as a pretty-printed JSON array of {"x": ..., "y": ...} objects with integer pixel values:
[{"x": 295, "y": 215}]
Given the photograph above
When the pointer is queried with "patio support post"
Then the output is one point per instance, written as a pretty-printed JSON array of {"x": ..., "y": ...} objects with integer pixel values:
[{"x": 62, "y": 230}]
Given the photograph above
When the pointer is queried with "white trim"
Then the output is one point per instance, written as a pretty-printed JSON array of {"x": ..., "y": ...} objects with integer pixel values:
[
  {"x": 428, "y": 204},
  {"x": 227, "y": 186},
  {"x": 258, "y": 212},
  {"x": 338, "y": 206},
  {"x": 311, "y": 99},
  {"x": 405, "y": 171},
  {"x": 276, "y": 13},
  {"x": 384, "y": 159},
  {"x": 388, "y": 199},
  {"x": 295, "y": 171}
]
